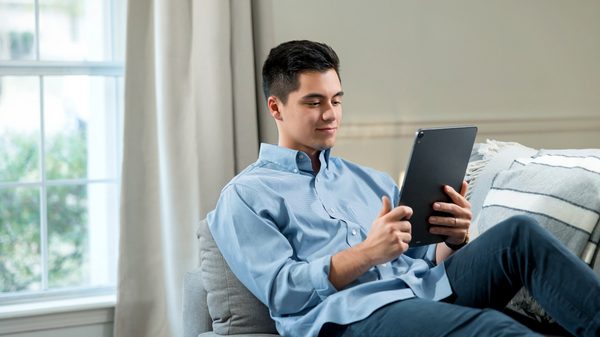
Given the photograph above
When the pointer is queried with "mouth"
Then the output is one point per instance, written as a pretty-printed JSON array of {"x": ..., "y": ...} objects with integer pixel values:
[
  {"x": 330, "y": 129},
  {"x": 327, "y": 132}
]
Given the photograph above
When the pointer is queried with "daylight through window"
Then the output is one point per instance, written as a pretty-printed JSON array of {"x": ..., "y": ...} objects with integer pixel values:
[{"x": 61, "y": 85}]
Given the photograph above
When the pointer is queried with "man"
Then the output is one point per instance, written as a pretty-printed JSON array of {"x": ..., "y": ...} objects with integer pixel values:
[{"x": 317, "y": 239}]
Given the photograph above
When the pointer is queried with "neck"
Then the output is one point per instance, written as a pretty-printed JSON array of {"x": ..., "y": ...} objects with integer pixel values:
[{"x": 316, "y": 163}]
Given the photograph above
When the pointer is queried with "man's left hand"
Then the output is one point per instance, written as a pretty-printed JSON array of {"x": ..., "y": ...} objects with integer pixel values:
[{"x": 456, "y": 225}]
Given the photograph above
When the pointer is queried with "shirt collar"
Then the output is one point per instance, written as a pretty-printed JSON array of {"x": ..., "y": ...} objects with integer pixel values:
[{"x": 291, "y": 160}]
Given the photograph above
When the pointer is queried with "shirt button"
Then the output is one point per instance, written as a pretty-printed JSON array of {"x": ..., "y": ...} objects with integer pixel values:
[
  {"x": 332, "y": 210},
  {"x": 384, "y": 265},
  {"x": 354, "y": 232},
  {"x": 295, "y": 171}
]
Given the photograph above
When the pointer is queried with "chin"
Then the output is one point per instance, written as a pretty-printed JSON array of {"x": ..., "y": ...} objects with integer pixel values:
[{"x": 327, "y": 145}]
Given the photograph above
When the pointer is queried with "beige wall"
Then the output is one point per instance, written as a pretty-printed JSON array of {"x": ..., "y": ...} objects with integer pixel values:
[{"x": 525, "y": 71}]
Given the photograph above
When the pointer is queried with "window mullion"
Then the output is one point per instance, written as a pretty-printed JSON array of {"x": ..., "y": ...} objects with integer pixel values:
[
  {"x": 56, "y": 68},
  {"x": 43, "y": 193},
  {"x": 111, "y": 6}
]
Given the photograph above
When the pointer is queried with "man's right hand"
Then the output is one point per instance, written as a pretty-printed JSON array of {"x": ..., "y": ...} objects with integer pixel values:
[
  {"x": 390, "y": 233},
  {"x": 388, "y": 238}
]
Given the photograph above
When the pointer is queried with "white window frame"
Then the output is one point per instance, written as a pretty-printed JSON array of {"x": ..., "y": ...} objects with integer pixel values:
[{"x": 27, "y": 303}]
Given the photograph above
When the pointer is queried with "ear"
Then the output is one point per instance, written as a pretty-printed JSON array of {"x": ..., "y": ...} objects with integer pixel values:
[{"x": 273, "y": 103}]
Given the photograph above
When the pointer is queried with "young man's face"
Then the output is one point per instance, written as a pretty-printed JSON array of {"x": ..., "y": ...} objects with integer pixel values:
[{"x": 310, "y": 119}]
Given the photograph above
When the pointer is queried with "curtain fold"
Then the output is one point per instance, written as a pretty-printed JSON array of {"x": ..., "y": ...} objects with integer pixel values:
[{"x": 189, "y": 126}]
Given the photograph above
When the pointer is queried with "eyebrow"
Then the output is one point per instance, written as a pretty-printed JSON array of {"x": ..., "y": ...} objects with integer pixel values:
[{"x": 320, "y": 96}]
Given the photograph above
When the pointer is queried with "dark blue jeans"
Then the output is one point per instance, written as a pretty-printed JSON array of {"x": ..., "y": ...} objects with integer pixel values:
[{"x": 484, "y": 276}]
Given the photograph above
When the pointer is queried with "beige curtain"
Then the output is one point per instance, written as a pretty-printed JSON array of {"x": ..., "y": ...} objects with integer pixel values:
[{"x": 190, "y": 124}]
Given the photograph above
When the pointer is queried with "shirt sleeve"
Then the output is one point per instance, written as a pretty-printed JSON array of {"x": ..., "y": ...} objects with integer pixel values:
[{"x": 245, "y": 229}]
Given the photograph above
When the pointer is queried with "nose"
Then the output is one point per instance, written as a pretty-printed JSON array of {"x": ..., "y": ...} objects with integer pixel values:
[{"x": 328, "y": 113}]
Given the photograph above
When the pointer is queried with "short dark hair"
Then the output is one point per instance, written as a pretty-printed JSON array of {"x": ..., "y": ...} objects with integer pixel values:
[{"x": 289, "y": 59}]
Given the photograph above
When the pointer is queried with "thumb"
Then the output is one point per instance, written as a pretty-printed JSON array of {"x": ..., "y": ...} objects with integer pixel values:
[{"x": 386, "y": 206}]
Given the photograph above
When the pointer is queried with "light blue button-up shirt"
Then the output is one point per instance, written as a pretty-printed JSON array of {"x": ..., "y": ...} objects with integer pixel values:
[{"x": 278, "y": 224}]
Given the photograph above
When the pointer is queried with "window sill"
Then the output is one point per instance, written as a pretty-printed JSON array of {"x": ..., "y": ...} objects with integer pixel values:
[{"x": 17, "y": 318}]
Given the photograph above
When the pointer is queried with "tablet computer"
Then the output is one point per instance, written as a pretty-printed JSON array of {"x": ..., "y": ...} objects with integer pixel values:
[{"x": 439, "y": 157}]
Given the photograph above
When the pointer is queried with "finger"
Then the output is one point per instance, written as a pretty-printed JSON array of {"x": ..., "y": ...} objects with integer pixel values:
[
  {"x": 453, "y": 209},
  {"x": 386, "y": 206},
  {"x": 399, "y": 213},
  {"x": 456, "y": 197},
  {"x": 448, "y": 231},
  {"x": 403, "y": 237},
  {"x": 464, "y": 188},
  {"x": 401, "y": 226},
  {"x": 449, "y": 222}
]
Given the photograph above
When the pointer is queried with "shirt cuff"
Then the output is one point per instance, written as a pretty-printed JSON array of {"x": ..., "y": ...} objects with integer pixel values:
[
  {"x": 430, "y": 254},
  {"x": 319, "y": 276}
]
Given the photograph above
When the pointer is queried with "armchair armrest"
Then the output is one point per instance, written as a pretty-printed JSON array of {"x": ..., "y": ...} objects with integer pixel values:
[{"x": 196, "y": 319}]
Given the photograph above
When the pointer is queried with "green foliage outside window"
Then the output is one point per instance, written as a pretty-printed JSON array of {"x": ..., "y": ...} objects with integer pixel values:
[{"x": 20, "y": 236}]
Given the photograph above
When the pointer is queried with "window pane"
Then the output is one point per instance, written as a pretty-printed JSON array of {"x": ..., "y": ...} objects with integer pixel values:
[
  {"x": 17, "y": 30},
  {"x": 19, "y": 129},
  {"x": 75, "y": 30},
  {"x": 80, "y": 127},
  {"x": 81, "y": 219},
  {"x": 67, "y": 235},
  {"x": 20, "y": 267}
]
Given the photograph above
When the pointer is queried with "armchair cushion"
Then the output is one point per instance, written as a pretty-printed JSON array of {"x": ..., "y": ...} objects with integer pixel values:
[{"x": 234, "y": 310}]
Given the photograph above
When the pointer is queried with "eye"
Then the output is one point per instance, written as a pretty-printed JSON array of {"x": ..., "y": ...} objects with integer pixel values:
[
  {"x": 336, "y": 103},
  {"x": 312, "y": 104}
]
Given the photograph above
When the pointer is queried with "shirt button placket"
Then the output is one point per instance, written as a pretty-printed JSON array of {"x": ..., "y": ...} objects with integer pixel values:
[{"x": 354, "y": 237}]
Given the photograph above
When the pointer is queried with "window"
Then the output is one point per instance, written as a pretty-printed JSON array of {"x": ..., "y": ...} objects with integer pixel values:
[{"x": 61, "y": 102}]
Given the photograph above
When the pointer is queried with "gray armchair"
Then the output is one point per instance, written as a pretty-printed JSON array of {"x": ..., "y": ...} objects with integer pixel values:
[
  {"x": 196, "y": 318},
  {"x": 215, "y": 303}
]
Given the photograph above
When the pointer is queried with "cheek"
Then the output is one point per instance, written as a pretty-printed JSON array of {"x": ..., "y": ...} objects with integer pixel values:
[{"x": 303, "y": 126}]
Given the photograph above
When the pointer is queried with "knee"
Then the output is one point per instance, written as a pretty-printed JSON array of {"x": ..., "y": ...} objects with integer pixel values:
[
  {"x": 518, "y": 222},
  {"x": 519, "y": 225},
  {"x": 525, "y": 231},
  {"x": 522, "y": 229}
]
